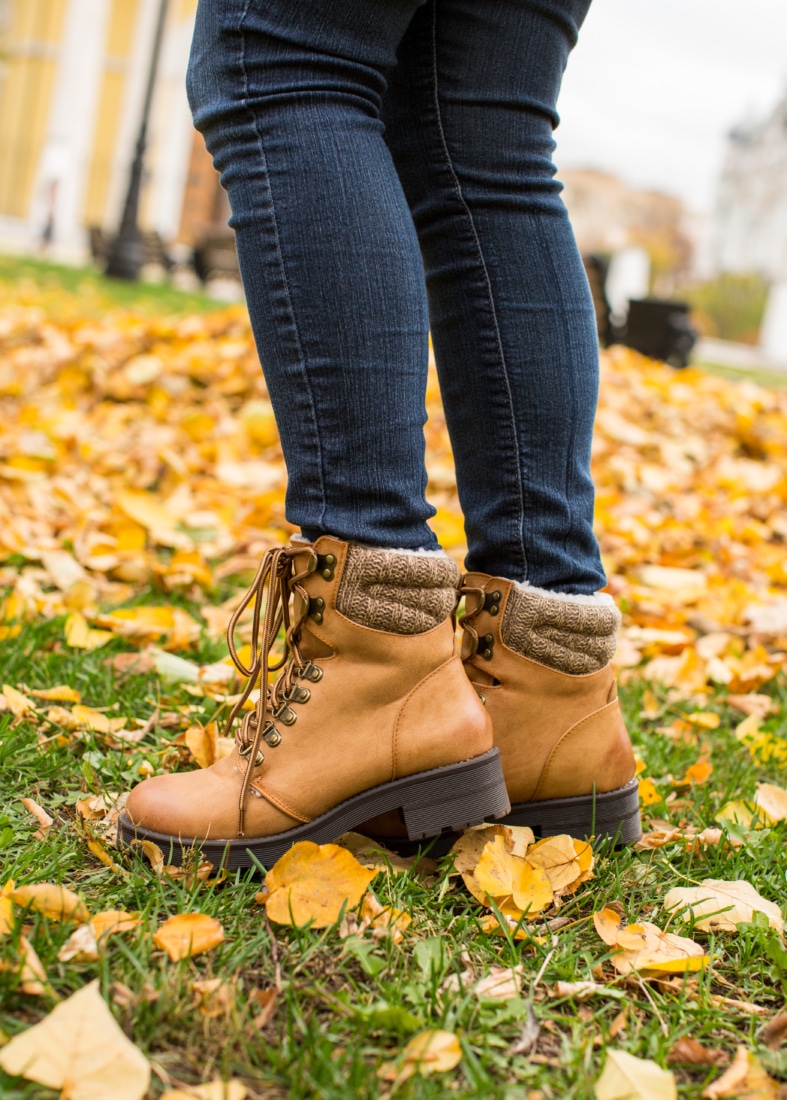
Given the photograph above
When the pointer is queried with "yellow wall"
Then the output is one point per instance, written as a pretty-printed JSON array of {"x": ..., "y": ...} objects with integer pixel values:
[
  {"x": 30, "y": 44},
  {"x": 120, "y": 37}
]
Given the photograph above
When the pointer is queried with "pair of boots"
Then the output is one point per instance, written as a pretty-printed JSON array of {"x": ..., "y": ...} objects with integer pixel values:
[{"x": 374, "y": 716}]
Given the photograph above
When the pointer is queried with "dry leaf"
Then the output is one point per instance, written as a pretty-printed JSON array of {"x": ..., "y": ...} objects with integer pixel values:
[
  {"x": 745, "y": 1079},
  {"x": 41, "y": 816},
  {"x": 689, "y": 1052},
  {"x": 313, "y": 882},
  {"x": 625, "y": 1077},
  {"x": 739, "y": 900},
  {"x": 372, "y": 854},
  {"x": 514, "y": 884},
  {"x": 556, "y": 855},
  {"x": 188, "y": 934},
  {"x": 80, "y": 1049},
  {"x": 55, "y": 902},
  {"x": 62, "y": 693},
  {"x": 213, "y": 997},
  {"x": 775, "y": 1031},
  {"x": 19, "y": 704},
  {"x": 579, "y": 991},
  {"x": 695, "y": 774},
  {"x": 501, "y": 984},
  {"x": 772, "y": 800},
  {"x": 426, "y": 1053},
  {"x": 80, "y": 945},
  {"x": 383, "y": 922},
  {"x": 267, "y": 1000},
  {"x": 215, "y": 1090},
  {"x": 645, "y": 948}
]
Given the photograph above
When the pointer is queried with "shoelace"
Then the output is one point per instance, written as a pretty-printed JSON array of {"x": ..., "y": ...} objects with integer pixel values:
[{"x": 276, "y": 574}]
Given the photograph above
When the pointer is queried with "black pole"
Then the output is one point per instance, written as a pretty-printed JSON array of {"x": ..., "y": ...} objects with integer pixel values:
[{"x": 126, "y": 255}]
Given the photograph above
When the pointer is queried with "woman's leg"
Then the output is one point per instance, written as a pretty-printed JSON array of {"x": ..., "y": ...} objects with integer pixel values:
[
  {"x": 287, "y": 95},
  {"x": 469, "y": 117}
]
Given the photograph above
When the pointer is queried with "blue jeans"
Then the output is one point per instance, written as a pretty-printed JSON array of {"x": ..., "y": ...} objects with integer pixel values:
[{"x": 388, "y": 165}]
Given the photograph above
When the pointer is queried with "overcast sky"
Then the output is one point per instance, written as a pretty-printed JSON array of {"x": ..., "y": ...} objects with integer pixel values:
[{"x": 654, "y": 85}]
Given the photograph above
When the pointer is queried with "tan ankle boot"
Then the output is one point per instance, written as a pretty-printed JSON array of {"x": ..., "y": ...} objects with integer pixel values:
[
  {"x": 371, "y": 712},
  {"x": 540, "y": 661}
]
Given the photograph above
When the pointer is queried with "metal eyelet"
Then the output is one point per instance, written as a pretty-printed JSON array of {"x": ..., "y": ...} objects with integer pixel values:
[
  {"x": 481, "y": 697},
  {"x": 326, "y": 565},
  {"x": 310, "y": 672},
  {"x": 271, "y": 736},
  {"x": 316, "y": 608},
  {"x": 488, "y": 642},
  {"x": 298, "y": 694},
  {"x": 285, "y": 714},
  {"x": 492, "y": 602},
  {"x": 246, "y": 751}
]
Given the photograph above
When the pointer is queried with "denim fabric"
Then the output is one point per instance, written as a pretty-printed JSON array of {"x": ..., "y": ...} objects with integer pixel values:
[{"x": 388, "y": 165}]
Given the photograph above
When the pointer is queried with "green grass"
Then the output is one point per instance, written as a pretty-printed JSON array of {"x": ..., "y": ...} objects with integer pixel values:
[
  {"x": 347, "y": 1006},
  {"x": 85, "y": 291}
]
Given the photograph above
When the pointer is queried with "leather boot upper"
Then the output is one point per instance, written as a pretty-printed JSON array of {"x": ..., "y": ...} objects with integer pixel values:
[
  {"x": 560, "y": 733},
  {"x": 358, "y": 706}
]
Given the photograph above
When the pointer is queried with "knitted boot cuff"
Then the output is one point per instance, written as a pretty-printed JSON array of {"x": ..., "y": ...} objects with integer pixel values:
[
  {"x": 574, "y": 634},
  {"x": 399, "y": 592}
]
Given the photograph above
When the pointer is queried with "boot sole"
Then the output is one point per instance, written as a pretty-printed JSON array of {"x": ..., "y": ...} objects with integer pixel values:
[
  {"x": 446, "y": 799},
  {"x": 613, "y": 814}
]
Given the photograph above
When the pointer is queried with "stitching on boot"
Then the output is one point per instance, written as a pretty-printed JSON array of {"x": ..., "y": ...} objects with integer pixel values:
[
  {"x": 397, "y": 593},
  {"x": 403, "y": 707},
  {"x": 573, "y": 637},
  {"x": 562, "y": 739},
  {"x": 280, "y": 804}
]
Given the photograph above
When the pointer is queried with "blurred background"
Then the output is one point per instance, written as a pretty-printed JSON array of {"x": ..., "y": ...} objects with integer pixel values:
[{"x": 672, "y": 149}]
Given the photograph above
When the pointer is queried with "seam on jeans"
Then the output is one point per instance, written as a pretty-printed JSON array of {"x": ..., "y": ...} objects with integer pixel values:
[
  {"x": 487, "y": 281},
  {"x": 282, "y": 269}
]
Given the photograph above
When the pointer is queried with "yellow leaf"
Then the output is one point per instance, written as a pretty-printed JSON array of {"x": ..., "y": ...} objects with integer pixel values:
[
  {"x": 386, "y": 922},
  {"x": 468, "y": 848},
  {"x": 78, "y": 1047},
  {"x": 648, "y": 792},
  {"x": 55, "y": 902},
  {"x": 426, "y": 1053},
  {"x": 202, "y": 743},
  {"x": 111, "y": 921},
  {"x": 628, "y": 1078},
  {"x": 6, "y": 908},
  {"x": 188, "y": 934},
  {"x": 739, "y": 900},
  {"x": 741, "y": 813},
  {"x": 745, "y": 1078},
  {"x": 558, "y": 857},
  {"x": 501, "y": 875},
  {"x": 81, "y": 636},
  {"x": 215, "y": 1090},
  {"x": 18, "y": 704},
  {"x": 60, "y": 694},
  {"x": 96, "y": 720},
  {"x": 146, "y": 510},
  {"x": 312, "y": 882},
  {"x": 608, "y": 924},
  {"x": 772, "y": 800}
]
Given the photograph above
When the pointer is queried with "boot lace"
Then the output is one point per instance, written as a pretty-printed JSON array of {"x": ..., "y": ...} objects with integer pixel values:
[{"x": 277, "y": 579}]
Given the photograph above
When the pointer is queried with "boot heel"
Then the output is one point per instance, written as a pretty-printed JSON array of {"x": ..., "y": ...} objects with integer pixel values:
[{"x": 459, "y": 796}]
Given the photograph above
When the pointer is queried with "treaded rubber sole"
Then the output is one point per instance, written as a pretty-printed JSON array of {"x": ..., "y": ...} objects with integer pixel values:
[
  {"x": 450, "y": 798},
  {"x": 612, "y": 814}
]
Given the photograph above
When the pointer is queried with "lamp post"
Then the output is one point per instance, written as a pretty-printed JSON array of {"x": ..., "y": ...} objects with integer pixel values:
[{"x": 126, "y": 254}]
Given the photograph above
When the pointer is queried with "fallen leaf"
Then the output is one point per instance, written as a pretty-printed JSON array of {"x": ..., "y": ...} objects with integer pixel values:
[
  {"x": 314, "y": 882},
  {"x": 689, "y": 1052},
  {"x": 775, "y": 1031},
  {"x": 62, "y": 693},
  {"x": 502, "y": 983},
  {"x": 215, "y": 1090},
  {"x": 19, "y": 704},
  {"x": 266, "y": 1000},
  {"x": 373, "y": 855},
  {"x": 384, "y": 922},
  {"x": 772, "y": 800},
  {"x": 695, "y": 774},
  {"x": 427, "y": 1053},
  {"x": 625, "y": 1077},
  {"x": 213, "y": 997},
  {"x": 79, "y": 1049},
  {"x": 80, "y": 945},
  {"x": 745, "y": 1078},
  {"x": 579, "y": 991},
  {"x": 738, "y": 900},
  {"x": 41, "y": 816},
  {"x": 527, "y": 1039},
  {"x": 187, "y": 934},
  {"x": 645, "y": 948},
  {"x": 55, "y": 902}
]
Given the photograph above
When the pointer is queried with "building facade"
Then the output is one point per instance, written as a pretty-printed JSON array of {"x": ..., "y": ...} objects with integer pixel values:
[
  {"x": 749, "y": 227},
  {"x": 73, "y": 75}
]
